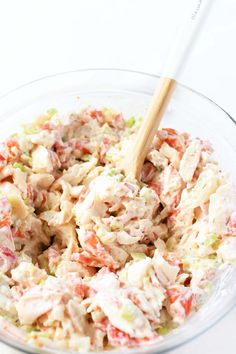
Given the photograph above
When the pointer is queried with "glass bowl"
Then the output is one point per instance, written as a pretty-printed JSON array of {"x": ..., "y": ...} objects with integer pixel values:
[{"x": 130, "y": 92}]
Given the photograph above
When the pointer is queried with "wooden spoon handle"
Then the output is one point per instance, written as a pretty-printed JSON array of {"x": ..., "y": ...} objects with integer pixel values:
[
  {"x": 175, "y": 60},
  {"x": 150, "y": 124}
]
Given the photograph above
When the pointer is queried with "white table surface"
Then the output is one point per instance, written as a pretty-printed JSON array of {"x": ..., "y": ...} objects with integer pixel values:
[{"x": 43, "y": 37}]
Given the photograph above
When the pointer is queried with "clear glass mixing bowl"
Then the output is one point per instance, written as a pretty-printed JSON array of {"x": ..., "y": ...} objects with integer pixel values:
[{"x": 130, "y": 92}]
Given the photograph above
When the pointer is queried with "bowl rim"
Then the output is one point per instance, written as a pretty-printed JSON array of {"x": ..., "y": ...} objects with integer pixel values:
[
  {"x": 149, "y": 349},
  {"x": 143, "y": 73}
]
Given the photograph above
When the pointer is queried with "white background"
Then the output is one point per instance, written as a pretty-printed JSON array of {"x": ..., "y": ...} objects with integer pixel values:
[{"x": 43, "y": 37}]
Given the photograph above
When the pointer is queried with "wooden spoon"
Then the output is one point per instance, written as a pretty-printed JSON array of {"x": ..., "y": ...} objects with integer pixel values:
[{"x": 159, "y": 102}]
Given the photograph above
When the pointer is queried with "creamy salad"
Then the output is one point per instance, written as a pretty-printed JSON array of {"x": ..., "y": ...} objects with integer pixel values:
[{"x": 91, "y": 259}]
